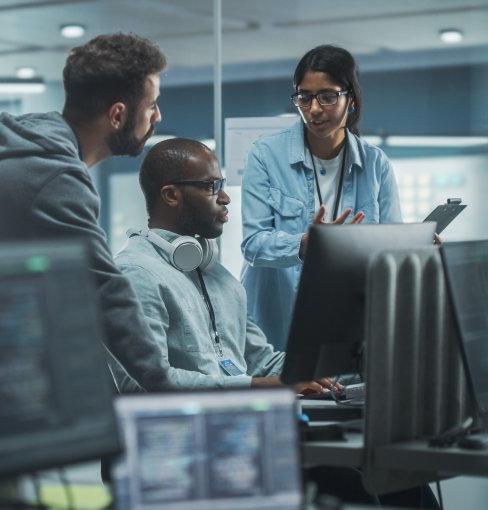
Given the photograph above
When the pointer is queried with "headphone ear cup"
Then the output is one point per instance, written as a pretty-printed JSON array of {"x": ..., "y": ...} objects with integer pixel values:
[
  {"x": 187, "y": 253},
  {"x": 210, "y": 249}
]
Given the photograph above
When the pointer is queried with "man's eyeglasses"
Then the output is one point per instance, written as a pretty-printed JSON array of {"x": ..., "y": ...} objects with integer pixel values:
[
  {"x": 212, "y": 186},
  {"x": 324, "y": 97}
]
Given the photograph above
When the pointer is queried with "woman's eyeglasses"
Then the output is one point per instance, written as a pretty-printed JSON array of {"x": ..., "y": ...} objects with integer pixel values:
[{"x": 324, "y": 98}]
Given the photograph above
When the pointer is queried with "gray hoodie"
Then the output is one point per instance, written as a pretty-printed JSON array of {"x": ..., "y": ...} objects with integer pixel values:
[{"x": 46, "y": 192}]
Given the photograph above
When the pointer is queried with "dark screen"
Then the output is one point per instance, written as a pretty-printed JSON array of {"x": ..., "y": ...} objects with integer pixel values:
[
  {"x": 327, "y": 329},
  {"x": 466, "y": 266}
]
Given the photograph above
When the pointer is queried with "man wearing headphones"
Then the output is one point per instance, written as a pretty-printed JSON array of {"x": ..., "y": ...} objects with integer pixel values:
[{"x": 195, "y": 308}]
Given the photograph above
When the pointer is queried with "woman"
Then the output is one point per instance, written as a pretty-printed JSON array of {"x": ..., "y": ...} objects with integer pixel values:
[{"x": 319, "y": 168}]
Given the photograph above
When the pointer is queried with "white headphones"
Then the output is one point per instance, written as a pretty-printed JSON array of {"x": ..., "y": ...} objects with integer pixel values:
[{"x": 185, "y": 253}]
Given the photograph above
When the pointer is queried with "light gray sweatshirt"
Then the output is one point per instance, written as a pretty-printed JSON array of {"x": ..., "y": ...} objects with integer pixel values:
[{"x": 180, "y": 322}]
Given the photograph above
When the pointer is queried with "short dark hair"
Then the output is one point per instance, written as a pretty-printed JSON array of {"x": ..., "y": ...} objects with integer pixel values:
[
  {"x": 164, "y": 163},
  {"x": 340, "y": 65},
  {"x": 108, "y": 69}
]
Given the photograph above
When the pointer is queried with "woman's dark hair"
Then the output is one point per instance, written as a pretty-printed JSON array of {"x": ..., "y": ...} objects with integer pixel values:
[
  {"x": 108, "y": 69},
  {"x": 340, "y": 65}
]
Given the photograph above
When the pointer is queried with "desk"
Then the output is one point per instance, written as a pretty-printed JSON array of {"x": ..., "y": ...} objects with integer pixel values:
[
  {"x": 328, "y": 410},
  {"x": 415, "y": 454},
  {"x": 334, "y": 453}
]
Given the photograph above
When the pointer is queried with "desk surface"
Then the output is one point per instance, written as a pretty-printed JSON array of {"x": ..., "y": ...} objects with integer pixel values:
[
  {"x": 418, "y": 455},
  {"x": 408, "y": 455},
  {"x": 328, "y": 410},
  {"x": 334, "y": 453}
]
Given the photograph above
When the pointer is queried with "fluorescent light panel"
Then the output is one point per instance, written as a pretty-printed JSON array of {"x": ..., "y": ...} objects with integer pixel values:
[
  {"x": 21, "y": 87},
  {"x": 373, "y": 139},
  {"x": 436, "y": 141}
]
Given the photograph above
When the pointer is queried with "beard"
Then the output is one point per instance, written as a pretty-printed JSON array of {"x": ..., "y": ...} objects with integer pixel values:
[
  {"x": 193, "y": 223},
  {"x": 125, "y": 142}
]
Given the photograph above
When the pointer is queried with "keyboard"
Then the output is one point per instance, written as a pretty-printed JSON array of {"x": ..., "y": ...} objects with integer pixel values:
[
  {"x": 355, "y": 391},
  {"x": 351, "y": 392}
]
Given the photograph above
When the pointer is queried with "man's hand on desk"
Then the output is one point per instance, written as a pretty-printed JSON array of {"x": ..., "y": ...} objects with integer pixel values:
[
  {"x": 318, "y": 386},
  {"x": 321, "y": 385}
]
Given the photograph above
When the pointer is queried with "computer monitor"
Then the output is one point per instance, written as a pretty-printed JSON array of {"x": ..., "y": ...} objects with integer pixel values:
[
  {"x": 208, "y": 450},
  {"x": 327, "y": 329},
  {"x": 466, "y": 269},
  {"x": 55, "y": 392}
]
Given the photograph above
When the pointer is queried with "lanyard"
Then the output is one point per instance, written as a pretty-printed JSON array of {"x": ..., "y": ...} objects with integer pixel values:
[
  {"x": 211, "y": 312},
  {"x": 341, "y": 179}
]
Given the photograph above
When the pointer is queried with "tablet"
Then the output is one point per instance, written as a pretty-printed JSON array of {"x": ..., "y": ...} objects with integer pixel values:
[{"x": 444, "y": 214}]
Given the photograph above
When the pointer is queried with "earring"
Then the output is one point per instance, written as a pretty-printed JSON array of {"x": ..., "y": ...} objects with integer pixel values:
[{"x": 351, "y": 109}]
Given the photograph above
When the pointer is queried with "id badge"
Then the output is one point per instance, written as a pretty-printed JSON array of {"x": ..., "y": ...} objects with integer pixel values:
[{"x": 229, "y": 367}]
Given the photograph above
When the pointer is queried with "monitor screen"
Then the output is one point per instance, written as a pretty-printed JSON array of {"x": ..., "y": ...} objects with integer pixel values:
[
  {"x": 55, "y": 391},
  {"x": 327, "y": 328},
  {"x": 466, "y": 268},
  {"x": 208, "y": 450}
]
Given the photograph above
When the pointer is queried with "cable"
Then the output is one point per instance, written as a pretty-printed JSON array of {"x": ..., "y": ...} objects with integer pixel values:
[
  {"x": 70, "y": 500},
  {"x": 439, "y": 494}
]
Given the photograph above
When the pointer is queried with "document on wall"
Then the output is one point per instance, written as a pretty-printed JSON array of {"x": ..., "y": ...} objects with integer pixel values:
[{"x": 240, "y": 133}]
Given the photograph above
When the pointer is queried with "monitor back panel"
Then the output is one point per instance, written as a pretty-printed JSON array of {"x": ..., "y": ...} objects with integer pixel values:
[{"x": 208, "y": 450}]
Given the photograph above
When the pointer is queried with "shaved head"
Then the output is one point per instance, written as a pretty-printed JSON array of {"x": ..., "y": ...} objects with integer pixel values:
[{"x": 166, "y": 162}]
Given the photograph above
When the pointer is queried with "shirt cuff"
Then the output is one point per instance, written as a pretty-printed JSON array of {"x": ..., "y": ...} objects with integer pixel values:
[{"x": 237, "y": 381}]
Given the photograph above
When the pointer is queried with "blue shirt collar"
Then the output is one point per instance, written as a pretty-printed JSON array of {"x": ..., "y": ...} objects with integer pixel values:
[{"x": 297, "y": 153}]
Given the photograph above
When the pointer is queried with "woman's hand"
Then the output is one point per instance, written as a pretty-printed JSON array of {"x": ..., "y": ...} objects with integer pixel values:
[{"x": 320, "y": 218}]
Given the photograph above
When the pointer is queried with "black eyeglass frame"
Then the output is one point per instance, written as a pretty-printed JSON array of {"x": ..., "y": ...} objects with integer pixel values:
[
  {"x": 215, "y": 187},
  {"x": 337, "y": 94}
]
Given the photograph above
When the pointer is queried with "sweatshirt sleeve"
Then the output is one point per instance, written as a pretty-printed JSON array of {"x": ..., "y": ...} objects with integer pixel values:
[
  {"x": 264, "y": 245},
  {"x": 68, "y": 206},
  {"x": 158, "y": 319}
]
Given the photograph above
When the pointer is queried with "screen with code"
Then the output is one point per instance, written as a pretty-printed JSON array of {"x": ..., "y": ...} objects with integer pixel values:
[
  {"x": 229, "y": 449},
  {"x": 55, "y": 393}
]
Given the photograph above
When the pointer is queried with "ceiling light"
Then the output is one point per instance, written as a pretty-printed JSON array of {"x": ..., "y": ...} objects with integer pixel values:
[
  {"x": 451, "y": 35},
  {"x": 72, "y": 31},
  {"x": 25, "y": 73},
  {"x": 18, "y": 86},
  {"x": 436, "y": 141},
  {"x": 373, "y": 139}
]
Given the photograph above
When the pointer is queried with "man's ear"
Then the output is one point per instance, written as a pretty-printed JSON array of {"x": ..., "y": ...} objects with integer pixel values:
[
  {"x": 171, "y": 195},
  {"x": 117, "y": 115}
]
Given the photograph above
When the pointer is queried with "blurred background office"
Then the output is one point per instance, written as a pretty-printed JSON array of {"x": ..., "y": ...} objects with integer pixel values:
[{"x": 423, "y": 70}]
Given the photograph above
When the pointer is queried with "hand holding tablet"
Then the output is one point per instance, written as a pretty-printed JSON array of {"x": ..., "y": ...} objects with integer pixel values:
[{"x": 445, "y": 213}]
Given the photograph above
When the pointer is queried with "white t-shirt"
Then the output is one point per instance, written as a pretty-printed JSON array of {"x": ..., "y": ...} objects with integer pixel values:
[{"x": 328, "y": 174}]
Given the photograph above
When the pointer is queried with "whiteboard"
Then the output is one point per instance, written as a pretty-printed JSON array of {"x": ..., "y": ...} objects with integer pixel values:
[{"x": 240, "y": 133}]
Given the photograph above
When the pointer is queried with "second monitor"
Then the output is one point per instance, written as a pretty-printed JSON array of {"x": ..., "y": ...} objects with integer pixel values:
[{"x": 327, "y": 329}]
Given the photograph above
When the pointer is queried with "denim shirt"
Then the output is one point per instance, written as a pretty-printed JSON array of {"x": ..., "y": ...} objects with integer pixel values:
[
  {"x": 278, "y": 205},
  {"x": 180, "y": 325}
]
